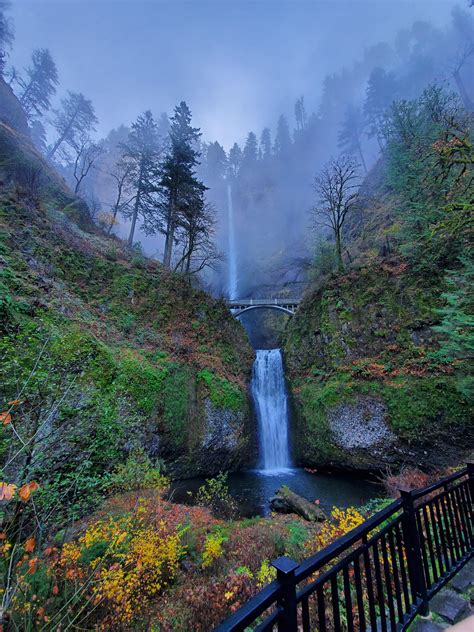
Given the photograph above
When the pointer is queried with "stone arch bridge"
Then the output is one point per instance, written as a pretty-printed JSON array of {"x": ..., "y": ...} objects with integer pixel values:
[{"x": 286, "y": 305}]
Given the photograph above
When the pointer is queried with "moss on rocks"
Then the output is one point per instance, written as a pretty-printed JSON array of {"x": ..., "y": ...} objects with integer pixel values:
[{"x": 359, "y": 356}]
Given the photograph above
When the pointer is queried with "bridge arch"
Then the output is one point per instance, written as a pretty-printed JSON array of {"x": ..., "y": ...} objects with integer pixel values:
[
  {"x": 238, "y": 312},
  {"x": 285, "y": 305}
]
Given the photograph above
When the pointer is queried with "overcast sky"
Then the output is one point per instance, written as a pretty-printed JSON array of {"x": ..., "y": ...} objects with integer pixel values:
[{"x": 238, "y": 64}]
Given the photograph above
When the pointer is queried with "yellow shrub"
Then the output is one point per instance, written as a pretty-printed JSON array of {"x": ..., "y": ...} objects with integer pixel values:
[
  {"x": 123, "y": 563},
  {"x": 266, "y": 574},
  {"x": 213, "y": 548},
  {"x": 341, "y": 522}
]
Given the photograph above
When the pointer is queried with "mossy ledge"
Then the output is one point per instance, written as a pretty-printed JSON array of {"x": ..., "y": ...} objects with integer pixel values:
[{"x": 369, "y": 391}]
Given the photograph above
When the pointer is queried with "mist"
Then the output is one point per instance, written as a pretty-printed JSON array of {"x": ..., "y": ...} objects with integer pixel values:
[{"x": 240, "y": 66}]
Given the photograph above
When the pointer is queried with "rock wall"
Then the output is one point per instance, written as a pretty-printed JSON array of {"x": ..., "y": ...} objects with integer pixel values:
[{"x": 368, "y": 390}]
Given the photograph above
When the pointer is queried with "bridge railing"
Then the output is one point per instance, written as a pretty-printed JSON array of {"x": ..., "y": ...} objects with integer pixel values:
[{"x": 377, "y": 577}]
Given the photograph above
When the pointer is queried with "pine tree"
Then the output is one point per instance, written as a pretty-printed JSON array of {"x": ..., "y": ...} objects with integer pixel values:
[
  {"x": 266, "y": 143},
  {"x": 6, "y": 33},
  {"x": 300, "y": 114},
  {"x": 141, "y": 153},
  {"x": 216, "y": 163},
  {"x": 250, "y": 153},
  {"x": 382, "y": 89},
  {"x": 350, "y": 134},
  {"x": 40, "y": 85},
  {"x": 282, "y": 138},
  {"x": 76, "y": 117},
  {"x": 178, "y": 181},
  {"x": 235, "y": 160}
]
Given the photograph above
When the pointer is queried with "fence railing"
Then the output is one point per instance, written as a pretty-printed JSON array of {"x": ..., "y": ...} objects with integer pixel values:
[{"x": 377, "y": 577}]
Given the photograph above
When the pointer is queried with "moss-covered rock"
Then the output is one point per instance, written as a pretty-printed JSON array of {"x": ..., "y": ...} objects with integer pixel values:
[{"x": 367, "y": 387}]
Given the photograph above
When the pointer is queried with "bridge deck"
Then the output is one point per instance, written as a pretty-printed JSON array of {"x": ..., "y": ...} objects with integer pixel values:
[{"x": 250, "y": 302}]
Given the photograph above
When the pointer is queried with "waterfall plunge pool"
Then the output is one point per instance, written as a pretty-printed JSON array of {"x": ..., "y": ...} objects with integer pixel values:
[{"x": 252, "y": 489}]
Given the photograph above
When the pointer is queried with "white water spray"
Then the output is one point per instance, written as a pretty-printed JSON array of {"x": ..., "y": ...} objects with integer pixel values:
[
  {"x": 271, "y": 403},
  {"x": 232, "y": 269}
]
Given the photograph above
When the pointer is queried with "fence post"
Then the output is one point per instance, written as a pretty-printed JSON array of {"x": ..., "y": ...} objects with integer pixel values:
[
  {"x": 286, "y": 567},
  {"x": 470, "y": 474},
  {"x": 413, "y": 546}
]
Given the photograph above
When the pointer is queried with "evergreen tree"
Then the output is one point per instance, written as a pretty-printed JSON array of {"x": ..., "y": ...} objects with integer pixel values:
[
  {"x": 457, "y": 324},
  {"x": 6, "y": 33},
  {"x": 178, "y": 181},
  {"x": 282, "y": 138},
  {"x": 266, "y": 143},
  {"x": 40, "y": 85},
  {"x": 141, "y": 153},
  {"x": 250, "y": 153},
  {"x": 382, "y": 89},
  {"x": 350, "y": 134},
  {"x": 235, "y": 160},
  {"x": 216, "y": 163},
  {"x": 300, "y": 114},
  {"x": 75, "y": 118}
]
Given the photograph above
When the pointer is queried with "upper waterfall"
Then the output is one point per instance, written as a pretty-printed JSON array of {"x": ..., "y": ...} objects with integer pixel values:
[{"x": 232, "y": 264}]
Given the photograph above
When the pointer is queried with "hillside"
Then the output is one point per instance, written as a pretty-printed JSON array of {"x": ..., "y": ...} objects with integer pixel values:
[
  {"x": 368, "y": 392},
  {"x": 379, "y": 355},
  {"x": 109, "y": 354}
]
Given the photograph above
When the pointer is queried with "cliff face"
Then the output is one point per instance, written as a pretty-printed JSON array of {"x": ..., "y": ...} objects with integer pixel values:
[
  {"x": 121, "y": 353},
  {"x": 11, "y": 112},
  {"x": 368, "y": 390}
]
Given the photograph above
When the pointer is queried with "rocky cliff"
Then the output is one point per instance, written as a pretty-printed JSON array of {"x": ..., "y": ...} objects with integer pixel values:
[{"x": 368, "y": 389}]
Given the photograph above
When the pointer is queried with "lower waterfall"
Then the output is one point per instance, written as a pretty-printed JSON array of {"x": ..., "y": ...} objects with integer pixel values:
[{"x": 271, "y": 404}]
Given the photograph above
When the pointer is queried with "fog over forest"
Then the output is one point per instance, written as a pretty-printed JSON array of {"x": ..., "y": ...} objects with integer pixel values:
[{"x": 276, "y": 88}]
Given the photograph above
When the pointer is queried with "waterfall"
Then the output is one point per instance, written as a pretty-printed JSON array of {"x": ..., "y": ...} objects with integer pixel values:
[
  {"x": 271, "y": 403},
  {"x": 232, "y": 269}
]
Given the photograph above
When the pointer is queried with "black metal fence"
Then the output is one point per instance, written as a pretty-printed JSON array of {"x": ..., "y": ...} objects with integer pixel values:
[{"x": 377, "y": 577}]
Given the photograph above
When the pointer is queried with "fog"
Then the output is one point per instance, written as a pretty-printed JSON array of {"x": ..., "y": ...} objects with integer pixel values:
[{"x": 240, "y": 66}]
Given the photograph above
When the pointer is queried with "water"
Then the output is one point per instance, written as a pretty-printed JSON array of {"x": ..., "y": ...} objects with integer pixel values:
[
  {"x": 253, "y": 489},
  {"x": 232, "y": 270},
  {"x": 271, "y": 406}
]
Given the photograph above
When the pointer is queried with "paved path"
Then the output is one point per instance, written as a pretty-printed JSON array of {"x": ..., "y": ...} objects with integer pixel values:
[{"x": 452, "y": 604}]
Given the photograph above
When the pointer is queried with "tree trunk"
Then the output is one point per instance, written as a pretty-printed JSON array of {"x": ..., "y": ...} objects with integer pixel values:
[
  {"x": 466, "y": 99},
  {"x": 340, "y": 263},
  {"x": 362, "y": 156},
  {"x": 137, "y": 206},
  {"x": 170, "y": 228},
  {"x": 63, "y": 135}
]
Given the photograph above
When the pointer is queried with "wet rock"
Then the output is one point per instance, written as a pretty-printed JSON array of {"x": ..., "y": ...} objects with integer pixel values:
[
  {"x": 449, "y": 605},
  {"x": 287, "y": 501},
  {"x": 360, "y": 424}
]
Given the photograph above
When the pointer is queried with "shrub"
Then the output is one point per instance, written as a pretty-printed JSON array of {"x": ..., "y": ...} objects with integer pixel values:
[
  {"x": 121, "y": 564},
  {"x": 138, "y": 472},
  {"x": 214, "y": 495}
]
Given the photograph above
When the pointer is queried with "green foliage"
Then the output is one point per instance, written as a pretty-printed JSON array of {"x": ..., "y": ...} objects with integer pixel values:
[
  {"x": 215, "y": 495},
  {"x": 325, "y": 259},
  {"x": 430, "y": 158},
  {"x": 138, "y": 472},
  {"x": 298, "y": 535},
  {"x": 457, "y": 324},
  {"x": 223, "y": 393}
]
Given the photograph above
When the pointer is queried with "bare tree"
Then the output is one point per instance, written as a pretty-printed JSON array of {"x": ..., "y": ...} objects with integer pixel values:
[
  {"x": 86, "y": 152},
  {"x": 196, "y": 237},
  {"x": 336, "y": 187},
  {"x": 122, "y": 175}
]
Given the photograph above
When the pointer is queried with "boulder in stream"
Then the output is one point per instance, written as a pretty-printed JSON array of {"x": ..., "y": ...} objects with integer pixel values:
[{"x": 287, "y": 501}]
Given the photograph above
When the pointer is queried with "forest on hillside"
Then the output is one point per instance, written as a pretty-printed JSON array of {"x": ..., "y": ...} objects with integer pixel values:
[
  {"x": 271, "y": 171},
  {"x": 159, "y": 449}
]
